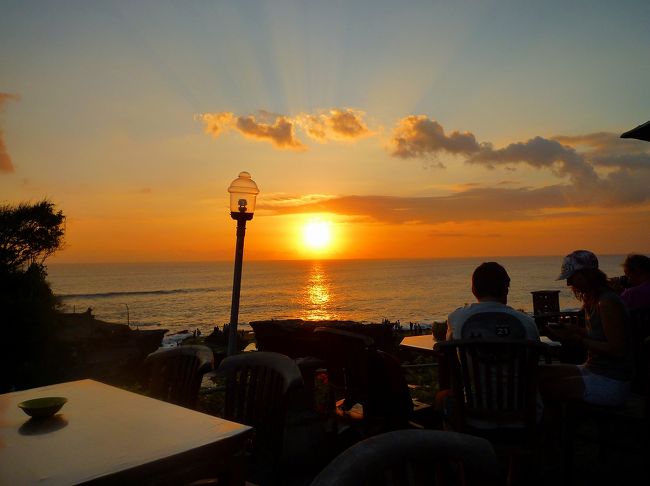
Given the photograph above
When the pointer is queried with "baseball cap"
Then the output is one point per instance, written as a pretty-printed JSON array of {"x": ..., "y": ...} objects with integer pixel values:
[{"x": 575, "y": 261}]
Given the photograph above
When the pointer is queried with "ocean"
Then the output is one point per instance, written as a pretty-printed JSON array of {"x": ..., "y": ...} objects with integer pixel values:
[{"x": 197, "y": 295}]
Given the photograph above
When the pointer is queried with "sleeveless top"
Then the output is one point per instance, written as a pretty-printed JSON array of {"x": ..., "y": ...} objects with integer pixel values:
[{"x": 601, "y": 364}]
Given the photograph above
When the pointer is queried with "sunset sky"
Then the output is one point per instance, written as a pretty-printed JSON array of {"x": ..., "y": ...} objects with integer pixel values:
[{"x": 407, "y": 129}]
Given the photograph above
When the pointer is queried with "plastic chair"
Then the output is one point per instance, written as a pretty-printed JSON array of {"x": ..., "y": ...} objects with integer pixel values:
[
  {"x": 633, "y": 415},
  {"x": 493, "y": 325},
  {"x": 494, "y": 392},
  {"x": 640, "y": 319},
  {"x": 413, "y": 457},
  {"x": 175, "y": 374},
  {"x": 262, "y": 389},
  {"x": 369, "y": 385}
]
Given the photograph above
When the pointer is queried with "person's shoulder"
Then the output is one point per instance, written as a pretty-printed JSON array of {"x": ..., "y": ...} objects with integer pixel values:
[
  {"x": 517, "y": 313},
  {"x": 608, "y": 296},
  {"x": 637, "y": 290},
  {"x": 462, "y": 308},
  {"x": 611, "y": 301}
]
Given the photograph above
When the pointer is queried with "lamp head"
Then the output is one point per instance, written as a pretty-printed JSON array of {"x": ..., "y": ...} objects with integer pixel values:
[{"x": 243, "y": 193}]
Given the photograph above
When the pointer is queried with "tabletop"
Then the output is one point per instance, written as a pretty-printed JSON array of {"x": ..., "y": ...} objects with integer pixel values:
[
  {"x": 425, "y": 342},
  {"x": 107, "y": 434},
  {"x": 422, "y": 342}
]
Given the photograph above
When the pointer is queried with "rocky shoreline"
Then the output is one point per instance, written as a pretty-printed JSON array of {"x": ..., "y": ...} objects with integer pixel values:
[{"x": 102, "y": 350}]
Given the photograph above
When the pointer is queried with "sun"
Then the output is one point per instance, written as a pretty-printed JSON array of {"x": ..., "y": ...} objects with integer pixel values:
[{"x": 317, "y": 235}]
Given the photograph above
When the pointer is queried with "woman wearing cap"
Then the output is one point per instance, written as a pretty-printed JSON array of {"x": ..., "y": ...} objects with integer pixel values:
[{"x": 604, "y": 379}]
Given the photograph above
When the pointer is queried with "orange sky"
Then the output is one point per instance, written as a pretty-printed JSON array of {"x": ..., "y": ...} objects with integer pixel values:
[{"x": 415, "y": 130}]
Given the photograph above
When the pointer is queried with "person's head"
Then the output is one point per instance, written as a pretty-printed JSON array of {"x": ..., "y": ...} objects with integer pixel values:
[
  {"x": 490, "y": 281},
  {"x": 580, "y": 269},
  {"x": 637, "y": 269}
]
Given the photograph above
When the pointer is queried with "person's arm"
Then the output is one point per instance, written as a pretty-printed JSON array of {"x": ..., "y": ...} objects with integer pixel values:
[
  {"x": 532, "y": 332},
  {"x": 569, "y": 333},
  {"x": 450, "y": 327},
  {"x": 612, "y": 315}
]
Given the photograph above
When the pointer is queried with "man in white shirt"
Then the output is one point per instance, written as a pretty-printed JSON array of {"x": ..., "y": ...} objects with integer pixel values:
[{"x": 490, "y": 285}]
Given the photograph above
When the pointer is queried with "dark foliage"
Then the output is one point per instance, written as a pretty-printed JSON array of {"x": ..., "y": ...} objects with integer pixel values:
[{"x": 29, "y": 233}]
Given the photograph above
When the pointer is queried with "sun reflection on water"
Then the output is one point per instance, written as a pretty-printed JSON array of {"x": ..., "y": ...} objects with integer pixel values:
[{"x": 317, "y": 295}]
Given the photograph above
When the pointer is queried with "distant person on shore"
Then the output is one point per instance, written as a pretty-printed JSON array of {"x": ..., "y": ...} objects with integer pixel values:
[
  {"x": 490, "y": 286},
  {"x": 637, "y": 271},
  {"x": 605, "y": 378}
]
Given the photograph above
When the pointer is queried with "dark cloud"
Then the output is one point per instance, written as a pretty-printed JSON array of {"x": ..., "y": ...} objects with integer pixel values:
[
  {"x": 609, "y": 150},
  {"x": 602, "y": 168},
  {"x": 418, "y": 136},
  {"x": 538, "y": 152},
  {"x": 5, "y": 160}
]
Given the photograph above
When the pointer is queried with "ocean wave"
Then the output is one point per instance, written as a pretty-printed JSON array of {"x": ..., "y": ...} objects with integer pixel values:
[
  {"x": 108, "y": 295},
  {"x": 144, "y": 324}
]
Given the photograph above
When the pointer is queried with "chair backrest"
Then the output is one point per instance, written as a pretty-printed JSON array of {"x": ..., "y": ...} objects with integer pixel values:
[
  {"x": 413, "y": 457},
  {"x": 363, "y": 374},
  {"x": 175, "y": 374},
  {"x": 347, "y": 355},
  {"x": 493, "y": 381},
  {"x": 259, "y": 386},
  {"x": 640, "y": 319},
  {"x": 493, "y": 325}
]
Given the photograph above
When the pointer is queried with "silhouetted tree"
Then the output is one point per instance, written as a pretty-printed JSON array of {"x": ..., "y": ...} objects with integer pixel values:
[{"x": 29, "y": 233}]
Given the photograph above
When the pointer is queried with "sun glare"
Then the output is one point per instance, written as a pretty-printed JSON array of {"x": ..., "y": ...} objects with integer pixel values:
[{"x": 317, "y": 235}]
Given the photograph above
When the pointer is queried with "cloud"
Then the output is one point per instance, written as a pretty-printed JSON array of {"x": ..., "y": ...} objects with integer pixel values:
[
  {"x": 459, "y": 234},
  {"x": 277, "y": 129},
  {"x": 280, "y": 201},
  {"x": 605, "y": 149},
  {"x": 626, "y": 181},
  {"x": 538, "y": 152},
  {"x": 602, "y": 168},
  {"x": 337, "y": 124},
  {"x": 476, "y": 204},
  {"x": 5, "y": 160},
  {"x": 418, "y": 136},
  {"x": 280, "y": 133},
  {"x": 216, "y": 123}
]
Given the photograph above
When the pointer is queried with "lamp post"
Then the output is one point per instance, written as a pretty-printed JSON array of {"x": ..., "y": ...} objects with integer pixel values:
[{"x": 243, "y": 192}]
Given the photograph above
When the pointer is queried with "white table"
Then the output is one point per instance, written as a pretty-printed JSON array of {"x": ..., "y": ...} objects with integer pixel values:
[
  {"x": 423, "y": 342},
  {"x": 106, "y": 434}
]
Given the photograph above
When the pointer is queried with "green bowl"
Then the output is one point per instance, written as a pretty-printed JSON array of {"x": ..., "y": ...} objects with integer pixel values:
[{"x": 42, "y": 407}]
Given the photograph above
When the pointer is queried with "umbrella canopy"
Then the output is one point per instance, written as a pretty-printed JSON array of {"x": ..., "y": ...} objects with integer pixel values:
[{"x": 642, "y": 132}]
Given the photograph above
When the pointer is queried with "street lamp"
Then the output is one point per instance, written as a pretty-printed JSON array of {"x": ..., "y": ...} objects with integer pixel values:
[{"x": 243, "y": 192}]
